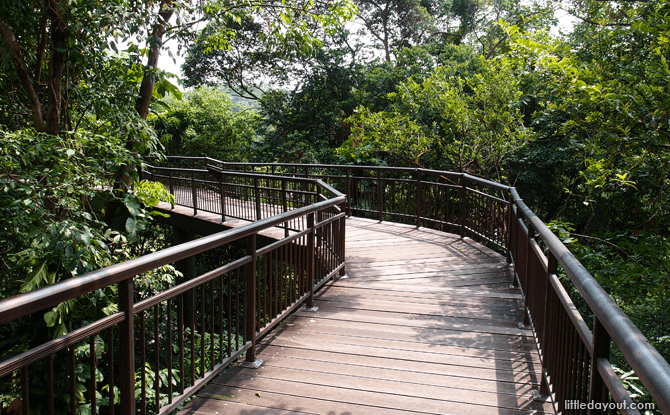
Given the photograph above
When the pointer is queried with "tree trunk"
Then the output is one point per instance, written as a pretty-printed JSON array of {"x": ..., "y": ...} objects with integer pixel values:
[
  {"x": 155, "y": 42},
  {"x": 24, "y": 77},
  {"x": 59, "y": 34}
]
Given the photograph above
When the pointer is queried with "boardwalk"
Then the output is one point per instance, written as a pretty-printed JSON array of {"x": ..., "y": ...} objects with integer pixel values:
[{"x": 425, "y": 323}]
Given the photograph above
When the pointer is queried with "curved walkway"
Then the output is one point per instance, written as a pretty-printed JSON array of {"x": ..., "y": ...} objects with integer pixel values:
[{"x": 425, "y": 323}]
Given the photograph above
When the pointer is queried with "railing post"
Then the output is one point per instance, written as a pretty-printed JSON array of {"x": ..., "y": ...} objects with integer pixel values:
[
  {"x": 222, "y": 191},
  {"x": 380, "y": 200},
  {"x": 257, "y": 196},
  {"x": 601, "y": 350},
  {"x": 127, "y": 347},
  {"x": 348, "y": 192},
  {"x": 343, "y": 225},
  {"x": 195, "y": 194},
  {"x": 552, "y": 266},
  {"x": 284, "y": 203},
  {"x": 464, "y": 204},
  {"x": 514, "y": 241},
  {"x": 310, "y": 259},
  {"x": 171, "y": 182},
  {"x": 418, "y": 198},
  {"x": 250, "y": 300},
  {"x": 528, "y": 292},
  {"x": 508, "y": 237}
]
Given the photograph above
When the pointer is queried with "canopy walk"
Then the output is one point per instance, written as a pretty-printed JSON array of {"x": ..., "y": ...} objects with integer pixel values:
[{"x": 361, "y": 290}]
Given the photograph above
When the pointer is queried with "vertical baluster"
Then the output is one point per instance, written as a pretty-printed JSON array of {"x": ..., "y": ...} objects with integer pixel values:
[
  {"x": 222, "y": 190},
  {"x": 194, "y": 191},
  {"x": 127, "y": 347},
  {"x": 143, "y": 359},
  {"x": 25, "y": 385},
  {"x": 221, "y": 357},
  {"x": 191, "y": 292},
  {"x": 202, "y": 330},
  {"x": 212, "y": 329},
  {"x": 237, "y": 310},
  {"x": 171, "y": 183},
  {"x": 180, "y": 329},
  {"x": 169, "y": 349},
  {"x": 230, "y": 311},
  {"x": 73, "y": 384},
  {"x": 157, "y": 369},
  {"x": 110, "y": 353},
  {"x": 50, "y": 385},
  {"x": 92, "y": 368},
  {"x": 257, "y": 196}
]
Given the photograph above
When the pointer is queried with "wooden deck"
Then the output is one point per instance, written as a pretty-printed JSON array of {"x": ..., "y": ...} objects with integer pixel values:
[{"x": 425, "y": 323}]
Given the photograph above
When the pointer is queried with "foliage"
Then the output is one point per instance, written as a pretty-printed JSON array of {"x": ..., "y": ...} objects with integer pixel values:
[
  {"x": 468, "y": 123},
  {"x": 205, "y": 123}
]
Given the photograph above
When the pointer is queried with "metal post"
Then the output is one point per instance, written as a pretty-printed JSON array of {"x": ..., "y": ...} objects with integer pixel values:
[
  {"x": 463, "y": 205},
  {"x": 601, "y": 350},
  {"x": 171, "y": 182},
  {"x": 380, "y": 199},
  {"x": 418, "y": 198},
  {"x": 257, "y": 195},
  {"x": 127, "y": 347},
  {"x": 222, "y": 191},
  {"x": 250, "y": 303},
  {"x": 195, "y": 194},
  {"x": 284, "y": 203},
  {"x": 508, "y": 238},
  {"x": 343, "y": 226},
  {"x": 528, "y": 296},
  {"x": 310, "y": 259},
  {"x": 552, "y": 266},
  {"x": 348, "y": 192}
]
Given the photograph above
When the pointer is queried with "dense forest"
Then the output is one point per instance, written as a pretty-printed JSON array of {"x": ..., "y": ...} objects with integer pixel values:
[{"x": 577, "y": 121}]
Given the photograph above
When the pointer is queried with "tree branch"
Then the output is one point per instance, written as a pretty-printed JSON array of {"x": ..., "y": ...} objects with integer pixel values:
[
  {"x": 24, "y": 78},
  {"x": 155, "y": 43}
]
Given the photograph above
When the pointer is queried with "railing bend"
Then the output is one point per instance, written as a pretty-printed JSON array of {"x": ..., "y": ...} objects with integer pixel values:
[
  {"x": 575, "y": 356},
  {"x": 156, "y": 352}
]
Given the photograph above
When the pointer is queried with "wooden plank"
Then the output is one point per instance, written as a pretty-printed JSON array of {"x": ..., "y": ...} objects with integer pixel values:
[
  {"x": 502, "y": 311},
  {"x": 282, "y": 401},
  {"x": 405, "y": 387},
  {"x": 445, "y": 298},
  {"x": 462, "y": 339},
  {"x": 409, "y": 376},
  {"x": 486, "y": 362},
  {"x": 414, "y": 288},
  {"x": 268, "y": 352},
  {"x": 397, "y": 312},
  {"x": 202, "y": 406},
  {"x": 449, "y": 404},
  {"x": 434, "y": 323},
  {"x": 290, "y": 335}
]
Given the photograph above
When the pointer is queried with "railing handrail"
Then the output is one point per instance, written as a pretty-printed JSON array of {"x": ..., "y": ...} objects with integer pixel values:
[
  {"x": 468, "y": 176},
  {"x": 652, "y": 369},
  {"x": 49, "y": 296}
]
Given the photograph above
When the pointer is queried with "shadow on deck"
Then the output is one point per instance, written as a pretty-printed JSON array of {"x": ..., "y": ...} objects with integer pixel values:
[{"x": 426, "y": 322}]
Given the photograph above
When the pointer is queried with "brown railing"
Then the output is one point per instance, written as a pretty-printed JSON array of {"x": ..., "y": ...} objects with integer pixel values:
[
  {"x": 157, "y": 351},
  {"x": 575, "y": 356}
]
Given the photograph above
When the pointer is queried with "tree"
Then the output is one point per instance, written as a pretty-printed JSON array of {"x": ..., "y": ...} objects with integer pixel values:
[{"x": 205, "y": 123}]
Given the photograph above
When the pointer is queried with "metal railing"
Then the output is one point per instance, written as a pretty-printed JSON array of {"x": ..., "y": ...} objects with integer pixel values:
[
  {"x": 156, "y": 352},
  {"x": 575, "y": 357}
]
